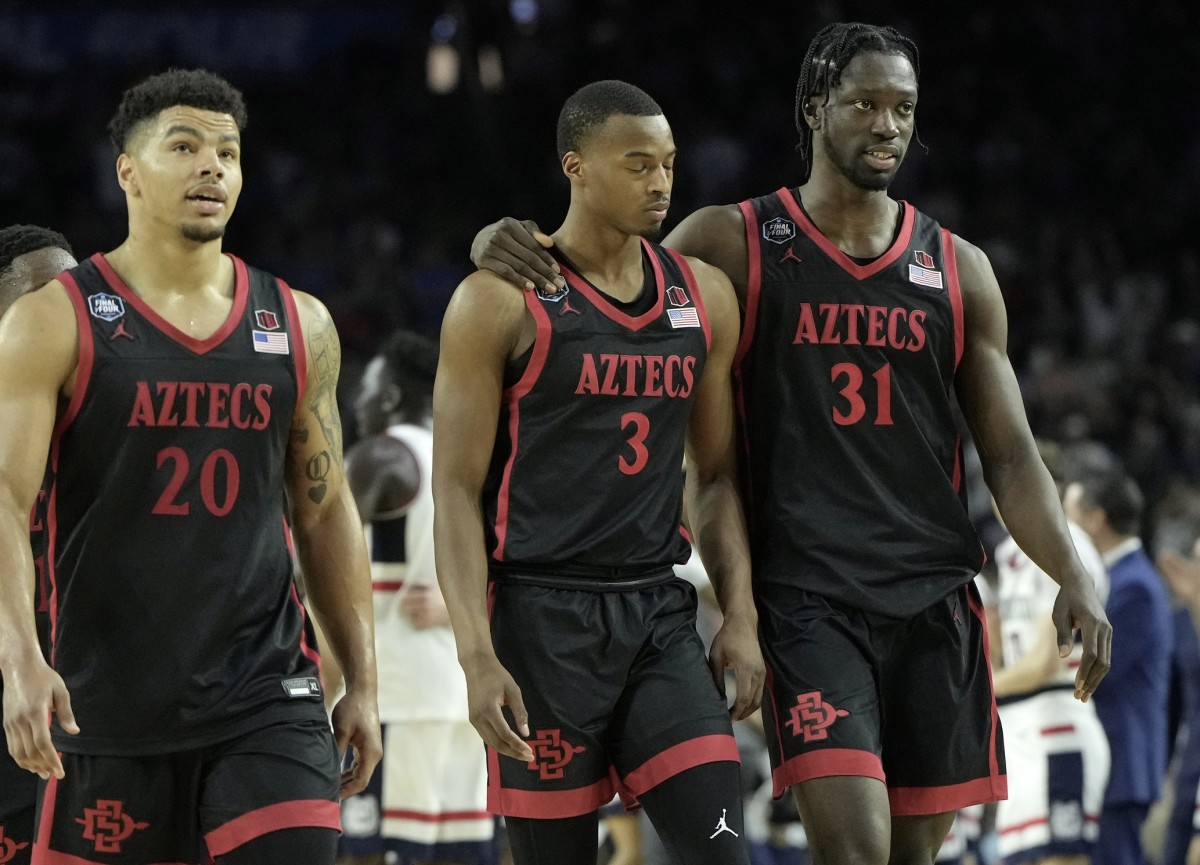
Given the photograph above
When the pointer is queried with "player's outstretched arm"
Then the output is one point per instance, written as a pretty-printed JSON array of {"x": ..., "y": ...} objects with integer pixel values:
[
  {"x": 38, "y": 354},
  {"x": 1024, "y": 492},
  {"x": 330, "y": 544},
  {"x": 716, "y": 235},
  {"x": 714, "y": 507},
  {"x": 484, "y": 326},
  {"x": 515, "y": 250}
]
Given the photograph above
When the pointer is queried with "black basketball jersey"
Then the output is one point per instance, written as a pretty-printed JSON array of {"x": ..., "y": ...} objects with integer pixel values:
[
  {"x": 845, "y": 372},
  {"x": 175, "y": 621},
  {"x": 586, "y": 474}
]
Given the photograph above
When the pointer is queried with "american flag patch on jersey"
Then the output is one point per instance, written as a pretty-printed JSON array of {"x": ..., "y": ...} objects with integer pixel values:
[
  {"x": 270, "y": 343},
  {"x": 684, "y": 317},
  {"x": 924, "y": 276}
]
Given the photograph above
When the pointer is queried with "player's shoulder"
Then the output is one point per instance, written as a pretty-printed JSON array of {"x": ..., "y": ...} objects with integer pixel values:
[
  {"x": 487, "y": 296},
  {"x": 311, "y": 310},
  {"x": 49, "y": 309}
]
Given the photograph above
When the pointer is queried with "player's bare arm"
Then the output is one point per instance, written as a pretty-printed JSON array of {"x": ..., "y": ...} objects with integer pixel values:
[
  {"x": 482, "y": 329},
  {"x": 330, "y": 545},
  {"x": 714, "y": 507},
  {"x": 38, "y": 355},
  {"x": 1022, "y": 487},
  {"x": 384, "y": 477}
]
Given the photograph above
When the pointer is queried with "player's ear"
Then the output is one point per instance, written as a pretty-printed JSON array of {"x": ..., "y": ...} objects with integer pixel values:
[
  {"x": 812, "y": 113},
  {"x": 572, "y": 166},
  {"x": 393, "y": 394},
  {"x": 126, "y": 176}
]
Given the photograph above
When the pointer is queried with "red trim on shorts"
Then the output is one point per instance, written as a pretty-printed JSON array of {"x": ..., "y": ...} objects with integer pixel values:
[
  {"x": 513, "y": 397},
  {"x": 921, "y": 801},
  {"x": 313, "y": 813},
  {"x": 697, "y": 301},
  {"x": 993, "y": 755},
  {"x": 825, "y": 763},
  {"x": 53, "y": 857},
  {"x": 241, "y": 291},
  {"x": 543, "y": 804},
  {"x": 299, "y": 349},
  {"x": 717, "y": 748},
  {"x": 41, "y": 845},
  {"x": 426, "y": 817}
]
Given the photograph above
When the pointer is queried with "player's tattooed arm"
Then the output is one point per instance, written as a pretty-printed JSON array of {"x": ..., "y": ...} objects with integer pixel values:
[{"x": 330, "y": 545}]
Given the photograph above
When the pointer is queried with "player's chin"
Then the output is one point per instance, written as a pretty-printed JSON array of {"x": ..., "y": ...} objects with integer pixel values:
[
  {"x": 202, "y": 232},
  {"x": 650, "y": 230}
]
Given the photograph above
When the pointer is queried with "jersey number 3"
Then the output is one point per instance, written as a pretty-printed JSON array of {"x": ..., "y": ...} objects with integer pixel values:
[
  {"x": 636, "y": 440},
  {"x": 168, "y": 503},
  {"x": 852, "y": 374}
]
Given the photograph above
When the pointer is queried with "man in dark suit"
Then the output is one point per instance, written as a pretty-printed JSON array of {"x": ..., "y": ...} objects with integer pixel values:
[{"x": 1132, "y": 704}]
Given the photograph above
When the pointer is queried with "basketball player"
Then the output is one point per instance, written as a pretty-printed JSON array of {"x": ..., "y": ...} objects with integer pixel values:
[
  {"x": 180, "y": 394},
  {"x": 427, "y": 801},
  {"x": 560, "y": 425},
  {"x": 30, "y": 256},
  {"x": 1055, "y": 747},
  {"x": 863, "y": 319}
]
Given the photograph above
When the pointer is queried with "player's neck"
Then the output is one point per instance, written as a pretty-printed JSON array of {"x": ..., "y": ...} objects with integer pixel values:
[
  {"x": 860, "y": 222},
  {"x": 150, "y": 263},
  {"x": 602, "y": 255}
]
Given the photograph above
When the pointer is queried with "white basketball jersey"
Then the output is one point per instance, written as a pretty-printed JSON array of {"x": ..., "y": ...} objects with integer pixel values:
[
  {"x": 419, "y": 675},
  {"x": 1026, "y": 597}
]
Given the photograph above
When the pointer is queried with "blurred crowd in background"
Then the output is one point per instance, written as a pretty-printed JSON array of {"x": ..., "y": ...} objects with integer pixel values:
[{"x": 1061, "y": 138}]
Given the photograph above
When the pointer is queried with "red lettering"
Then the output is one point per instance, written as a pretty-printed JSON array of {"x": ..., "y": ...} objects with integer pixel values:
[
  {"x": 689, "y": 376},
  {"x": 916, "y": 324},
  {"x": 806, "y": 329},
  {"x": 671, "y": 363},
  {"x": 193, "y": 389},
  {"x": 263, "y": 404},
  {"x": 218, "y": 395},
  {"x": 589, "y": 381},
  {"x": 633, "y": 362},
  {"x": 854, "y": 313},
  {"x": 609, "y": 388},
  {"x": 241, "y": 391},
  {"x": 166, "y": 411},
  {"x": 829, "y": 334},
  {"x": 875, "y": 320},
  {"x": 897, "y": 315},
  {"x": 143, "y": 407},
  {"x": 654, "y": 365}
]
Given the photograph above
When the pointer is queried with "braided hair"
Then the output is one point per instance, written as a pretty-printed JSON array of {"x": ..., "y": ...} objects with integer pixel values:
[{"x": 830, "y": 51}]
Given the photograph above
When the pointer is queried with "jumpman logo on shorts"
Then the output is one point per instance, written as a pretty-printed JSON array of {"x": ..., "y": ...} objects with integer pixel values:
[{"x": 722, "y": 826}]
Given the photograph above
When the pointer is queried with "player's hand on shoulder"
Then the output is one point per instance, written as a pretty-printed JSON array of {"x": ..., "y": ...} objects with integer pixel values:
[
  {"x": 516, "y": 251},
  {"x": 32, "y": 693},
  {"x": 1078, "y": 608},
  {"x": 489, "y": 689},
  {"x": 355, "y": 721}
]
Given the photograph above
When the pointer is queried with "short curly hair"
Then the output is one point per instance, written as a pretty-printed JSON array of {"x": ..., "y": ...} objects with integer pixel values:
[
  {"x": 195, "y": 88},
  {"x": 591, "y": 105},
  {"x": 18, "y": 240}
]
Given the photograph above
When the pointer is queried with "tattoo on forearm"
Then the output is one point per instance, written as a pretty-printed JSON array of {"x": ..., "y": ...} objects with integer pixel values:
[{"x": 317, "y": 471}]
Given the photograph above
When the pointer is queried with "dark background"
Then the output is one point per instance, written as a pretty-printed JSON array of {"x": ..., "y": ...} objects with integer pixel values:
[{"x": 1064, "y": 139}]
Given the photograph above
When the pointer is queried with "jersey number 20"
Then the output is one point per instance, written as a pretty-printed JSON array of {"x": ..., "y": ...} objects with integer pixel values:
[{"x": 168, "y": 503}]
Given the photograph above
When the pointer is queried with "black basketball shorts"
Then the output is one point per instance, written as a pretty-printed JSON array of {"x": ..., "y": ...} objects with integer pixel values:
[
  {"x": 618, "y": 691},
  {"x": 906, "y": 701},
  {"x": 191, "y": 805},
  {"x": 18, "y": 802}
]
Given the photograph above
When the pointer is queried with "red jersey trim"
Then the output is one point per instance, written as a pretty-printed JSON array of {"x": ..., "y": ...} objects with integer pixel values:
[
  {"x": 920, "y": 801},
  {"x": 543, "y": 804},
  {"x": 718, "y": 748},
  {"x": 87, "y": 354},
  {"x": 858, "y": 271},
  {"x": 605, "y": 306},
  {"x": 53, "y": 857},
  {"x": 513, "y": 397},
  {"x": 954, "y": 292},
  {"x": 689, "y": 277},
  {"x": 753, "y": 281},
  {"x": 305, "y": 649},
  {"x": 319, "y": 813},
  {"x": 41, "y": 846},
  {"x": 241, "y": 290},
  {"x": 825, "y": 763},
  {"x": 387, "y": 585},
  {"x": 299, "y": 349}
]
